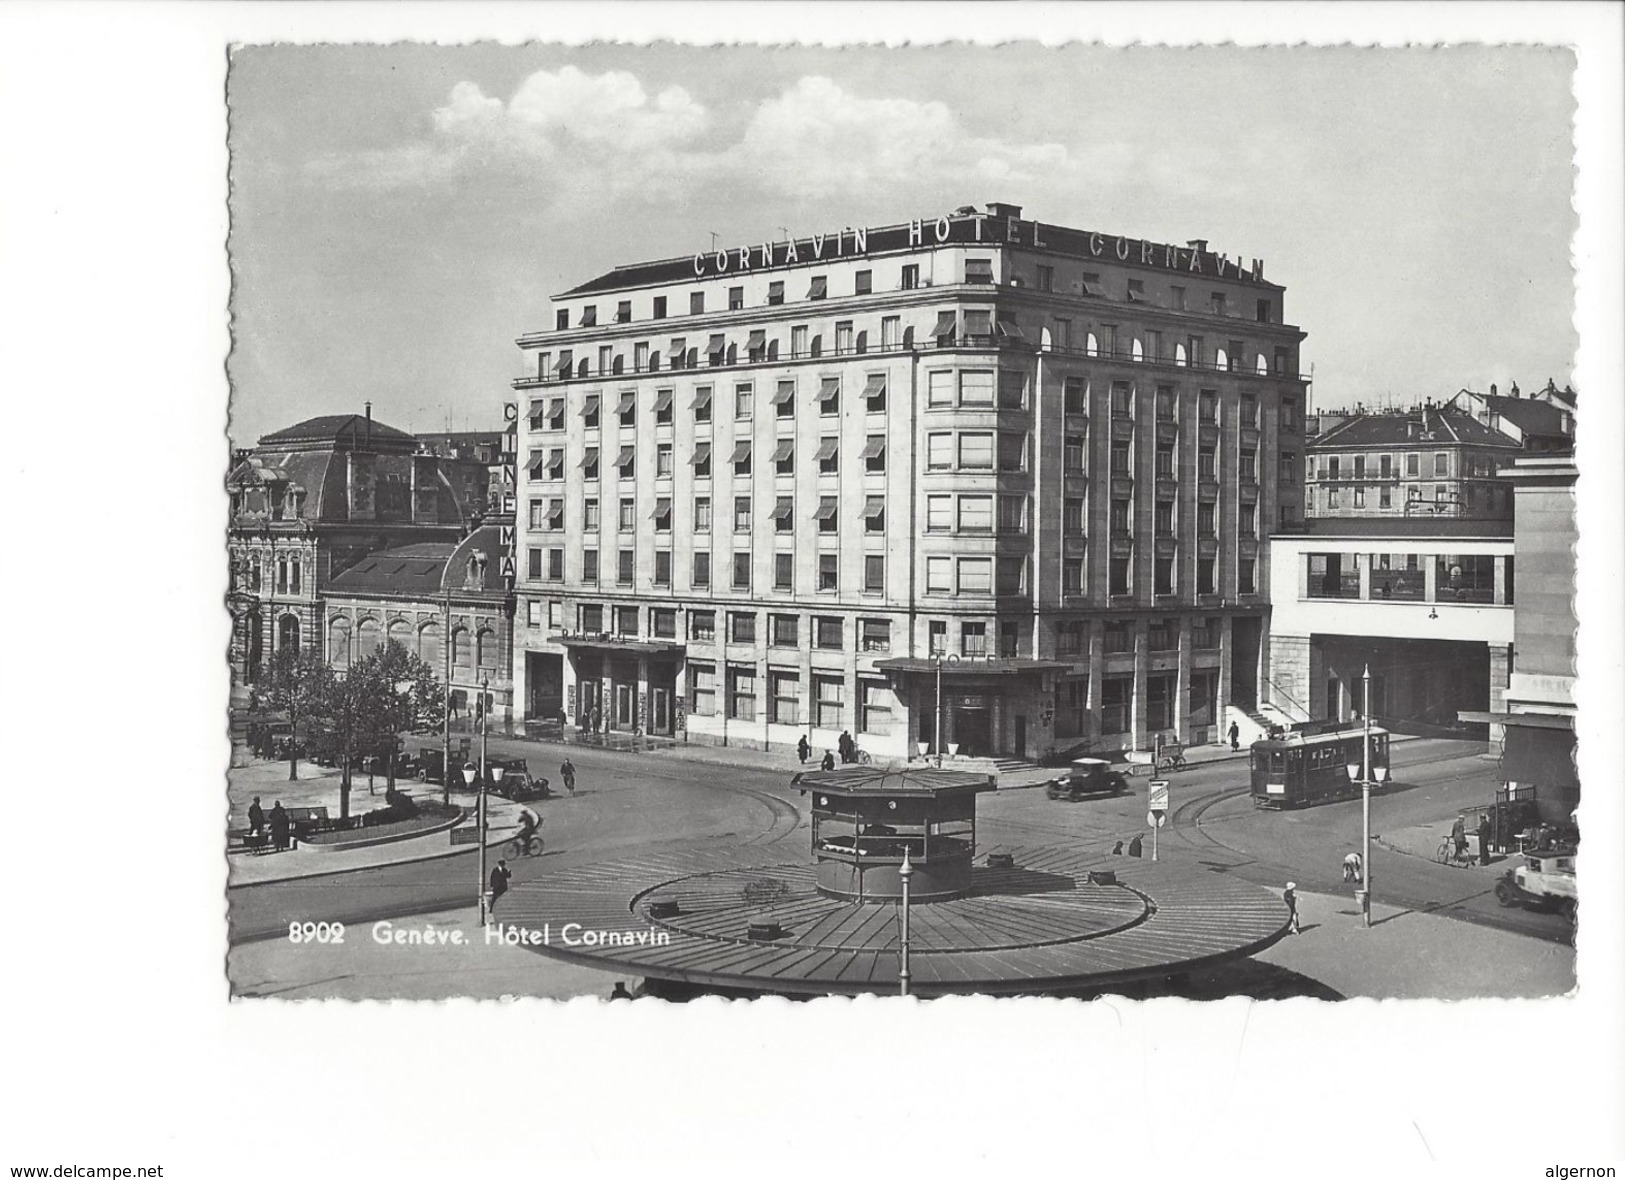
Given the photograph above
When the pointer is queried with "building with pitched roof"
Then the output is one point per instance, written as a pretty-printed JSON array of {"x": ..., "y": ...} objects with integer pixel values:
[
  {"x": 1539, "y": 425},
  {"x": 771, "y": 491}
]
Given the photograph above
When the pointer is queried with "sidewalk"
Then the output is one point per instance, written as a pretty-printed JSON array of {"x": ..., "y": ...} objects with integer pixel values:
[
  {"x": 1408, "y": 955},
  {"x": 1423, "y": 840}
]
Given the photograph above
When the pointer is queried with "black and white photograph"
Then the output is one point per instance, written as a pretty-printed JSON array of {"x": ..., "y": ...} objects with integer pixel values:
[{"x": 1047, "y": 573}]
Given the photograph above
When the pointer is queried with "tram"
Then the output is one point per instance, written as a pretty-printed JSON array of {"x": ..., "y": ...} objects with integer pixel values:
[{"x": 1303, "y": 769}]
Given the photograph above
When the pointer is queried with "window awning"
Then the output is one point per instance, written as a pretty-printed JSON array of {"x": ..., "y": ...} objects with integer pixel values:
[
  {"x": 875, "y": 385},
  {"x": 874, "y": 448},
  {"x": 785, "y": 506},
  {"x": 820, "y": 284},
  {"x": 784, "y": 393},
  {"x": 1090, "y": 287},
  {"x": 758, "y": 338},
  {"x": 1012, "y": 330},
  {"x": 662, "y": 401},
  {"x": 829, "y": 388},
  {"x": 590, "y": 458},
  {"x": 538, "y": 407},
  {"x": 874, "y": 508},
  {"x": 715, "y": 349},
  {"x": 564, "y": 364},
  {"x": 702, "y": 453},
  {"x": 785, "y": 450},
  {"x": 827, "y": 448},
  {"x": 946, "y": 323},
  {"x": 537, "y": 462},
  {"x": 627, "y": 402},
  {"x": 1136, "y": 296},
  {"x": 702, "y": 398},
  {"x": 625, "y": 456},
  {"x": 827, "y": 507},
  {"x": 589, "y": 405},
  {"x": 677, "y": 349},
  {"x": 662, "y": 508},
  {"x": 741, "y": 453}
]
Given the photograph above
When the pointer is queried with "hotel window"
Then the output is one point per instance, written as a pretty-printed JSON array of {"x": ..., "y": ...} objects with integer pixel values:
[
  {"x": 1247, "y": 520},
  {"x": 1440, "y": 493},
  {"x": 533, "y": 569},
  {"x": 555, "y": 414},
  {"x": 1385, "y": 498},
  {"x": 626, "y": 620},
  {"x": 978, "y": 270},
  {"x": 1206, "y": 515},
  {"x": 1013, "y": 514},
  {"x": 1165, "y": 462},
  {"x": 829, "y": 457},
  {"x": 939, "y": 575},
  {"x": 1012, "y": 450},
  {"x": 828, "y": 572},
  {"x": 1164, "y": 517},
  {"x": 1177, "y": 297},
  {"x": 640, "y": 356},
  {"x": 1120, "y": 516},
  {"x": 1289, "y": 414},
  {"x": 1010, "y": 572},
  {"x": 1119, "y": 576},
  {"x": 605, "y": 353},
  {"x": 1046, "y": 278},
  {"x": 976, "y": 451},
  {"x": 1075, "y": 396},
  {"x": 702, "y": 460},
  {"x": 662, "y": 407},
  {"x": 1280, "y": 362},
  {"x": 1073, "y": 453},
  {"x": 1108, "y": 339},
  {"x": 1218, "y": 303},
  {"x": 975, "y": 514},
  {"x": 1244, "y": 577},
  {"x": 1167, "y": 404},
  {"x": 662, "y": 515},
  {"x": 828, "y": 633},
  {"x": 1287, "y": 467},
  {"x": 828, "y": 514},
  {"x": 1122, "y": 400},
  {"x": 874, "y": 454},
  {"x": 561, "y": 319},
  {"x": 874, "y": 514},
  {"x": 1249, "y": 466},
  {"x": 819, "y": 287},
  {"x": 565, "y": 362},
  {"x": 829, "y": 396},
  {"x": 973, "y": 640},
  {"x": 741, "y": 458},
  {"x": 741, "y": 693},
  {"x": 591, "y": 617},
  {"x": 1118, "y": 638},
  {"x": 1413, "y": 464},
  {"x": 702, "y": 570},
  {"x": 1359, "y": 497},
  {"x": 1070, "y": 640},
  {"x": 589, "y": 411},
  {"x": 555, "y": 463},
  {"x": 1061, "y": 334},
  {"x": 1195, "y": 350},
  {"x": 1089, "y": 284},
  {"x": 702, "y": 680},
  {"x": 783, "y": 698},
  {"x": 1009, "y": 639},
  {"x": 1332, "y": 498},
  {"x": 775, "y": 294},
  {"x": 741, "y": 514},
  {"x": 1012, "y": 390},
  {"x": 623, "y": 312},
  {"x": 741, "y": 626},
  {"x": 1207, "y": 406},
  {"x": 874, "y": 634},
  {"x": 1136, "y": 291},
  {"x": 1204, "y": 581},
  {"x": 662, "y": 576},
  {"x": 696, "y": 303},
  {"x": 624, "y": 567},
  {"x": 1072, "y": 516},
  {"x": 939, "y": 451},
  {"x": 1441, "y": 465},
  {"x": 784, "y": 571},
  {"x": 663, "y": 461},
  {"x": 939, "y": 514},
  {"x": 911, "y": 277},
  {"x": 1163, "y": 575},
  {"x": 863, "y": 283},
  {"x": 1122, "y": 461},
  {"x": 939, "y": 388},
  {"x": 627, "y": 463},
  {"x": 736, "y": 298},
  {"x": 798, "y": 340},
  {"x": 589, "y": 515},
  {"x": 589, "y": 567},
  {"x": 978, "y": 325},
  {"x": 936, "y": 638},
  {"x": 784, "y": 399},
  {"x": 828, "y": 700},
  {"x": 741, "y": 571},
  {"x": 660, "y": 307},
  {"x": 1207, "y": 463},
  {"x": 843, "y": 337},
  {"x": 784, "y": 631},
  {"x": 1249, "y": 410},
  {"x": 890, "y": 331},
  {"x": 1072, "y": 578},
  {"x": 1153, "y": 346},
  {"x": 784, "y": 457},
  {"x": 743, "y": 401},
  {"x": 976, "y": 388},
  {"x": 975, "y": 575},
  {"x": 538, "y": 514}
]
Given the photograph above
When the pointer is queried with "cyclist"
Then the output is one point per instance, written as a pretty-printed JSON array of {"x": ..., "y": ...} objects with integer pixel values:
[
  {"x": 568, "y": 773},
  {"x": 529, "y": 821}
]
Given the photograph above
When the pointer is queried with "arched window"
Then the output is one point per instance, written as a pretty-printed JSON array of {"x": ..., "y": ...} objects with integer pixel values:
[
  {"x": 1222, "y": 360},
  {"x": 338, "y": 642},
  {"x": 908, "y": 336},
  {"x": 1139, "y": 350},
  {"x": 486, "y": 643},
  {"x": 368, "y": 638},
  {"x": 863, "y": 342},
  {"x": 462, "y": 649},
  {"x": 617, "y": 365},
  {"x": 287, "y": 632},
  {"x": 1261, "y": 367},
  {"x": 582, "y": 369},
  {"x": 772, "y": 350},
  {"x": 1091, "y": 344},
  {"x": 429, "y": 644},
  {"x": 400, "y": 631},
  {"x": 1179, "y": 354}
]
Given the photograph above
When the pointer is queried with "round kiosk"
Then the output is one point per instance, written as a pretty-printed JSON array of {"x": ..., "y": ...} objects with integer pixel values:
[{"x": 865, "y": 818}]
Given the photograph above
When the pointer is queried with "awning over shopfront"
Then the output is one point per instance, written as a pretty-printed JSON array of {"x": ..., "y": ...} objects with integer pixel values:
[{"x": 920, "y": 665}]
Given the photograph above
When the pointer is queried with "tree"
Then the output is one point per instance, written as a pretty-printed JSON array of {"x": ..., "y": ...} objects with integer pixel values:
[
  {"x": 411, "y": 698},
  {"x": 296, "y": 685}
]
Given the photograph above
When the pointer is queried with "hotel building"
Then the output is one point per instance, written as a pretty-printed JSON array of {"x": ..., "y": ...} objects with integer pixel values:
[{"x": 777, "y": 489}]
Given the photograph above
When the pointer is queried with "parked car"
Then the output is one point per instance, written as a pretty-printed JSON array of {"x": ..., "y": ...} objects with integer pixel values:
[
  {"x": 1546, "y": 880},
  {"x": 1086, "y": 777}
]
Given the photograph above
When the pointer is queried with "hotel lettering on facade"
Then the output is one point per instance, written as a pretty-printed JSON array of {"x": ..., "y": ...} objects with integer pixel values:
[{"x": 763, "y": 490}]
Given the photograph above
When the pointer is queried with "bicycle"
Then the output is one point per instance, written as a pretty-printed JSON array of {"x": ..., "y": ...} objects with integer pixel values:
[
  {"x": 864, "y": 758},
  {"x": 1447, "y": 853},
  {"x": 516, "y": 847}
]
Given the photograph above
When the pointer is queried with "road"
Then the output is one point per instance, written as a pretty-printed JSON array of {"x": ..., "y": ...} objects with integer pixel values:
[{"x": 645, "y": 801}]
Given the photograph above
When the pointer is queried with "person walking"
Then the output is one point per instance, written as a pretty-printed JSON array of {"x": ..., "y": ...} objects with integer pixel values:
[
  {"x": 500, "y": 876},
  {"x": 1291, "y": 899},
  {"x": 567, "y": 771},
  {"x": 256, "y": 817},
  {"x": 1117, "y": 849},
  {"x": 1484, "y": 839},
  {"x": 1458, "y": 836},
  {"x": 1136, "y": 846},
  {"x": 1352, "y": 868},
  {"x": 804, "y": 749},
  {"x": 829, "y": 760},
  {"x": 1235, "y": 736},
  {"x": 279, "y": 827}
]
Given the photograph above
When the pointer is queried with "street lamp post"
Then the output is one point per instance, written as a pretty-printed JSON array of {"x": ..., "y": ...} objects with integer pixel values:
[
  {"x": 471, "y": 776},
  {"x": 1367, "y": 776},
  {"x": 904, "y": 872}
]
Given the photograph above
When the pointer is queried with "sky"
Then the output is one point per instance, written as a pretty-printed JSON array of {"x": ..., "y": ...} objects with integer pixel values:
[{"x": 400, "y": 214}]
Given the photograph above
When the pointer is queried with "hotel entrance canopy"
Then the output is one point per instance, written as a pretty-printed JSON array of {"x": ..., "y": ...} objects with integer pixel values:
[
  {"x": 969, "y": 666},
  {"x": 627, "y": 645}
]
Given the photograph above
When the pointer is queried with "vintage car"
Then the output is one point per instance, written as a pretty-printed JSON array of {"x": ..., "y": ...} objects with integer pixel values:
[
  {"x": 517, "y": 782},
  {"x": 1086, "y": 777},
  {"x": 1546, "y": 880}
]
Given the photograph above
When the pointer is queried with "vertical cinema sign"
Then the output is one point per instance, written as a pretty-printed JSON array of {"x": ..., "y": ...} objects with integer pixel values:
[{"x": 509, "y": 459}]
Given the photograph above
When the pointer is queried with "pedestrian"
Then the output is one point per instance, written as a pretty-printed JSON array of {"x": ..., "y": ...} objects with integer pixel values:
[
  {"x": 1136, "y": 846},
  {"x": 1117, "y": 849},
  {"x": 1291, "y": 899},
  {"x": 1458, "y": 835},
  {"x": 1235, "y": 736},
  {"x": 1484, "y": 839},
  {"x": 804, "y": 749},
  {"x": 279, "y": 827},
  {"x": 256, "y": 816},
  {"x": 829, "y": 760},
  {"x": 620, "y": 992},
  {"x": 1352, "y": 868},
  {"x": 845, "y": 745},
  {"x": 597, "y": 719},
  {"x": 500, "y": 876},
  {"x": 567, "y": 771}
]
